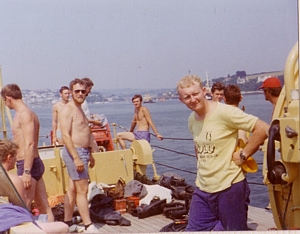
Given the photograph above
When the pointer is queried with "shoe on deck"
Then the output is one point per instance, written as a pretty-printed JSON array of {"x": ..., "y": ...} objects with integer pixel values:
[
  {"x": 91, "y": 229},
  {"x": 76, "y": 229}
]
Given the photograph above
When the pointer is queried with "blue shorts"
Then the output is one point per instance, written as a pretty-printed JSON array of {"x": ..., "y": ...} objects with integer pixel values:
[
  {"x": 225, "y": 210},
  {"x": 84, "y": 155},
  {"x": 37, "y": 169},
  {"x": 142, "y": 135}
]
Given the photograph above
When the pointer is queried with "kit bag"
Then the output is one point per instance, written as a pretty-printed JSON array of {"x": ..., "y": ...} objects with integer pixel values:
[{"x": 118, "y": 191}]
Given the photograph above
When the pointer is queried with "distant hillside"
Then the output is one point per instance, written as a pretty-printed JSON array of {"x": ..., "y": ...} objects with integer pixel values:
[{"x": 250, "y": 82}]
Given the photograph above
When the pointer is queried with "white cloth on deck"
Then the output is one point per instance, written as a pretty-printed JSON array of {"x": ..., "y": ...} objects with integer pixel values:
[{"x": 156, "y": 191}]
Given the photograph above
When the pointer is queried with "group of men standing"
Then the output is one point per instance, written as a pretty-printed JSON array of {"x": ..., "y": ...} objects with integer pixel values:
[
  {"x": 221, "y": 199},
  {"x": 74, "y": 133},
  {"x": 71, "y": 122}
]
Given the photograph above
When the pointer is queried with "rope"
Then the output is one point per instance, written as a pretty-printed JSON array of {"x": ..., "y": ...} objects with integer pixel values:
[
  {"x": 174, "y": 151},
  {"x": 168, "y": 138},
  {"x": 178, "y": 169},
  {"x": 173, "y": 138},
  {"x": 46, "y": 136},
  {"x": 175, "y": 168},
  {"x": 190, "y": 155},
  {"x": 114, "y": 124},
  {"x": 255, "y": 183}
]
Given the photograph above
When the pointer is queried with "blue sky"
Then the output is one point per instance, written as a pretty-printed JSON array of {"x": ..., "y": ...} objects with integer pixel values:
[{"x": 141, "y": 43}]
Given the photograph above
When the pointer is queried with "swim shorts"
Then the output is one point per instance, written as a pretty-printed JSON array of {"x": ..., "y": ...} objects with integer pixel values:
[
  {"x": 37, "y": 169},
  {"x": 84, "y": 155},
  {"x": 142, "y": 135}
]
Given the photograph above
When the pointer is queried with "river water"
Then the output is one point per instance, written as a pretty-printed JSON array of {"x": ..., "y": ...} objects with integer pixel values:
[{"x": 170, "y": 118}]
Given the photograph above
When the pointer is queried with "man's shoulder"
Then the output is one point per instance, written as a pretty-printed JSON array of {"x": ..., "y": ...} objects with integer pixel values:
[
  {"x": 144, "y": 109},
  {"x": 66, "y": 107},
  {"x": 59, "y": 105},
  {"x": 225, "y": 107},
  {"x": 55, "y": 106},
  {"x": 26, "y": 111}
]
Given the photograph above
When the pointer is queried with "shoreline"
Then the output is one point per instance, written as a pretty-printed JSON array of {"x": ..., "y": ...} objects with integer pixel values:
[{"x": 251, "y": 92}]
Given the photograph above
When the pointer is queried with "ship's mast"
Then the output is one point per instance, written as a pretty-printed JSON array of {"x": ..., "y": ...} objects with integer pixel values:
[
  {"x": 3, "y": 109},
  {"x": 208, "y": 88},
  {"x": 3, "y": 127}
]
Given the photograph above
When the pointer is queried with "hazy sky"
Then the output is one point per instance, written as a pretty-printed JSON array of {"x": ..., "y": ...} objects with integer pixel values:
[{"x": 141, "y": 43}]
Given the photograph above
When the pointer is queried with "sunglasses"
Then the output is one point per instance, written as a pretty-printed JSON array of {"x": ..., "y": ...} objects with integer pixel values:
[{"x": 77, "y": 91}]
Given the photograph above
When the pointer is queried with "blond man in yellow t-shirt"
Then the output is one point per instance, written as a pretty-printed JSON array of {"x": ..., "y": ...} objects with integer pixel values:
[{"x": 220, "y": 201}]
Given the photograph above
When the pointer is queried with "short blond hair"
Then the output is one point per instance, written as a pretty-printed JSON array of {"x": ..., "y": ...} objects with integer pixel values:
[{"x": 189, "y": 80}]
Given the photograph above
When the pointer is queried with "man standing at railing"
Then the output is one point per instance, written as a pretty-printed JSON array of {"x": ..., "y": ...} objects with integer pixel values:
[
  {"x": 142, "y": 119},
  {"x": 25, "y": 129},
  {"x": 220, "y": 201}
]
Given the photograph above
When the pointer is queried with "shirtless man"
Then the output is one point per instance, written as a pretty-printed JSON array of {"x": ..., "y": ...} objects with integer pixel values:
[
  {"x": 77, "y": 154},
  {"x": 56, "y": 133},
  {"x": 25, "y": 129},
  {"x": 143, "y": 120},
  {"x": 8, "y": 151}
]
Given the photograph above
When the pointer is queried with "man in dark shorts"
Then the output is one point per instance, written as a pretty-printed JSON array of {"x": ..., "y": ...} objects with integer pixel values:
[
  {"x": 143, "y": 120},
  {"x": 25, "y": 131}
]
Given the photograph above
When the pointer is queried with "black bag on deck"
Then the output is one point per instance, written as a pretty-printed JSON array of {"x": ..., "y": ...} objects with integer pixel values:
[
  {"x": 180, "y": 189},
  {"x": 58, "y": 212},
  {"x": 101, "y": 211}
]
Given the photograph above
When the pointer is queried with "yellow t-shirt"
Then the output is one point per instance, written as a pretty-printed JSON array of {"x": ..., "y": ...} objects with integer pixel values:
[{"x": 215, "y": 140}]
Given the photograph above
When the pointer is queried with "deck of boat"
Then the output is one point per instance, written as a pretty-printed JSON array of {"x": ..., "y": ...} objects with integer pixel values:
[{"x": 258, "y": 220}]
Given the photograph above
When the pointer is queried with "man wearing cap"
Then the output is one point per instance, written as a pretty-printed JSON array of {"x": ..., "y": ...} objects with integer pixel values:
[{"x": 272, "y": 88}]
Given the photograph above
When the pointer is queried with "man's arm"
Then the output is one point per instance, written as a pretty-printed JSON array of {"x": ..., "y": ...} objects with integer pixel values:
[
  {"x": 258, "y": 137},
  {"x": 94, "y": 122},
  {"x": 54, "y": 123},
  {"x": 18, "y": 183},
  {"x": 133, "y": 123},
  {"x": 66, "y": 128},
  {"x": 150, "y": 122},
  {"x": 27, "y": 125},
  {"x": 94, "y": 148}
]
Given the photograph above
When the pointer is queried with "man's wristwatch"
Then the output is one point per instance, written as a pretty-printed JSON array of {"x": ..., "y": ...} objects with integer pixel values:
[
  {"x": 242, "y": 156},
  {"x": 27, "y": 171}
]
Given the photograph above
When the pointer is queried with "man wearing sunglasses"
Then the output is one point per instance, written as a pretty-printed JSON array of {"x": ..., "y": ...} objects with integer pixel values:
[{"x": 77, "y": 154}]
